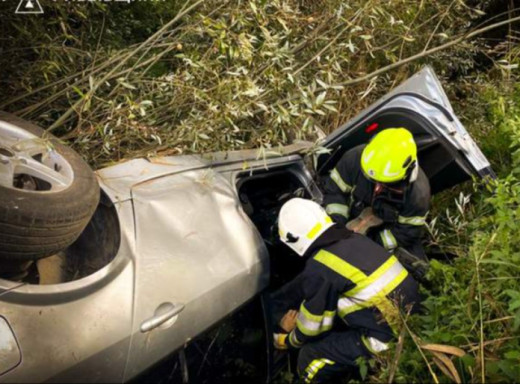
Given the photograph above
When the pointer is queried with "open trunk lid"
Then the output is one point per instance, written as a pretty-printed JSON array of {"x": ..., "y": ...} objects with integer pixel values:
[{"x": 447, "y": 153}]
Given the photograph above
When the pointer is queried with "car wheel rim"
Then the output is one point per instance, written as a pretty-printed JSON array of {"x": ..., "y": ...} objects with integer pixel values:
[{"x": 29, "y": 162}]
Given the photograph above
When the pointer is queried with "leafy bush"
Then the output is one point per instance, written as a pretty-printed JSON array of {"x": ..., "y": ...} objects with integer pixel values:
[{"x": 473, "y": 302}]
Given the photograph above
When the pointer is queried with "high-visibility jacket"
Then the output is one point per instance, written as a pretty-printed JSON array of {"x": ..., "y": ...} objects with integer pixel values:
[
  {"x": 347, "y": 192},
  {"x": 352, "y": 279}
]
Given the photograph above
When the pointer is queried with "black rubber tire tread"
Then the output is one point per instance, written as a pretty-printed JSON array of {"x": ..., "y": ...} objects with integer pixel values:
[
  {"x": 24, "y": 248},
  {"x": 39, "y": 224},
  {"x": 21, "y": 241},
  {"x": 19, "y": 230}
]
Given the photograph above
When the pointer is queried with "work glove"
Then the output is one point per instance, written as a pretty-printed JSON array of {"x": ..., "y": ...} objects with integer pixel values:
[
  {"x": 415, "y": 265},
  {"x": 280, "y": 340},
  {"x": 365, "y": 221}
]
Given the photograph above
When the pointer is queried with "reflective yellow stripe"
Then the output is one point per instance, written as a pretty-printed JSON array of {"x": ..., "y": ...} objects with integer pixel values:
[
  {"x": 314, "y": 367},
  {"x": 349, "y": 304},
  {"x": 312, "y": 325},
  {"x": 393, "y": 285},
  {"x": 385, "y": 306},
  {"x": 353, "y": 308},
  {"x": 334, "y": 175},
  {"x": 337, "y": 209},
  {"x": 293, "y": 340},
  {"x": 374, "y": 345},
  {"x": 374, "y": 294},
  {"x": 305, "y": 312},
  {"x": 370, "y": 290},
  {"x": 367, "y": 344},
  {"x": 374, "y": 276},
  {"x": 340, "y": 266},
  {"x": 307, "y": 330},
  {"x": 412, "y": 220},
  {"x": 388, "y": 238},
  {"x": 314, "y": 231}
]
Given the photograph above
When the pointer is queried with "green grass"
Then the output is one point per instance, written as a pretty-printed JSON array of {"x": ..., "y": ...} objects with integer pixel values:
[{"x": 473, "y": 302}]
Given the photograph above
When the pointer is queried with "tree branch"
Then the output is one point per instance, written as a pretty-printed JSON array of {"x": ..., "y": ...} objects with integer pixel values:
[
  {"x": 430, "y": 51},
  {"x": 145, "y": 44}
]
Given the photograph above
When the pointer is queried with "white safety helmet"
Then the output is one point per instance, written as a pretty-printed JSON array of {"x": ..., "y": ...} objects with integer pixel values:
[{"x": 301, "y": 222}]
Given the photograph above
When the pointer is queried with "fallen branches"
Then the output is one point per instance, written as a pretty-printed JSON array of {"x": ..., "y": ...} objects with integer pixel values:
[
  {"x": 236, "y": 75},
  {"x": 126, "y": 58},
  {"x": 430, "y": 52}
]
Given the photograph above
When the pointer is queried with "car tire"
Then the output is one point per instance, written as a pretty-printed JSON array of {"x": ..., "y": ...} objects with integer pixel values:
[{"x": 41, "y": 221}]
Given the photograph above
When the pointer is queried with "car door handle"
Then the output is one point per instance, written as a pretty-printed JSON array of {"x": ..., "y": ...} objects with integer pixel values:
[{"x": 163, "y": 313}]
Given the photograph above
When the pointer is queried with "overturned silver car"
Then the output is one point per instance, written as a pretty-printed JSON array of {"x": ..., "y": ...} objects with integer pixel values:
[{"x": 176, "y": 244}]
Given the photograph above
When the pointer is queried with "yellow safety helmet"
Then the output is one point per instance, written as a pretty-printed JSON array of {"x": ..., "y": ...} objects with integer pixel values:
[{"x": 391, "y": 156}]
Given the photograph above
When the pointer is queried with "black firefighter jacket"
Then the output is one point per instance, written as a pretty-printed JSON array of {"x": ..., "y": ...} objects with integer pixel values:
[
  {"x": 347, "y": 192},
  {"x": 348, "y": 278}
]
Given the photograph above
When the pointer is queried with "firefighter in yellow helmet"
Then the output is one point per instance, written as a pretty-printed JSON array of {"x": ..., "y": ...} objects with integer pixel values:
[{"x": 384, "y": 175}]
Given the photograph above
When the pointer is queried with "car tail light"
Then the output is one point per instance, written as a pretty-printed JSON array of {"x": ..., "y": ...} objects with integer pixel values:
[{"x": 372, "y": 127}]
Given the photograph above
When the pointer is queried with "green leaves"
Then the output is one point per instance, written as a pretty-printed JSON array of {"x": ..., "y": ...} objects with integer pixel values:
[
  {"x": 479, "y": 289},
  {"x": 272, "y": 68}
]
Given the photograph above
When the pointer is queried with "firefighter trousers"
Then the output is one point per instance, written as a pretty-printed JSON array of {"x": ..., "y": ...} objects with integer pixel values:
[{"x": 333, "y": 356}]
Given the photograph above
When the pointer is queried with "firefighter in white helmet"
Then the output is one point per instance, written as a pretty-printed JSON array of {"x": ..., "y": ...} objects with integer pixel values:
[{"x": 348, "y": 280}]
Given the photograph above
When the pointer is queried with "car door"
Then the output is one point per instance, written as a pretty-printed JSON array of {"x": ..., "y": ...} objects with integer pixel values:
[
  {"x": 198, "y": 258},
  {"x": 447, "y": 153}
]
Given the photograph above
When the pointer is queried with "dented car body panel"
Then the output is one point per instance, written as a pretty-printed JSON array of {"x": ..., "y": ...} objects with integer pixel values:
[{"x": 211, "y": 263}]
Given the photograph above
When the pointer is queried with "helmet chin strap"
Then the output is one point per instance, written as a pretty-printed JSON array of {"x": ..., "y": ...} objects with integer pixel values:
[
  {"x": 411, "y": 172},
  {"x": 414, "y": 174},
  {"x": 291, "y": 238}
]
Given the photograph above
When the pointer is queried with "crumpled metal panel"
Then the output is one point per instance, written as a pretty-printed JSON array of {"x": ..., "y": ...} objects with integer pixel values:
[
  {"x": 194, "y": 247},
  {"x": 224, "y": 157},
  {"x": 424, "y": 84},
  {"x": 453, "y": 131},
  {"x": 184, "y": 239},
  {"x": 119, "y": 179}
]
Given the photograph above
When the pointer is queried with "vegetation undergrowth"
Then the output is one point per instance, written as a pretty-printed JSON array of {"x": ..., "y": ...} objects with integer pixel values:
[
  {"x": 118, "y": 81},
  {"x": 472, "y": 302}
]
